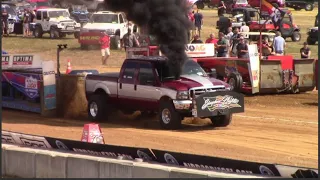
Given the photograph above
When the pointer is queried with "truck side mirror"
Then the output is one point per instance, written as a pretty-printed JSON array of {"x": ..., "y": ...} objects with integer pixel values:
[{"x": 212, "y": 73}]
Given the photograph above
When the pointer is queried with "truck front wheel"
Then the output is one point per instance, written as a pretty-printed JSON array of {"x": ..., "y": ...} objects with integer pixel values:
[
  {"x": 97, "y": 108},
  {"x": 221, "y": 121},
  {"x": 168, "y": 116}
]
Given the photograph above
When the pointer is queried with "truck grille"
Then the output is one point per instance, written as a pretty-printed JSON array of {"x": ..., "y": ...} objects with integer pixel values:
[{"x": 199, "y": 91}]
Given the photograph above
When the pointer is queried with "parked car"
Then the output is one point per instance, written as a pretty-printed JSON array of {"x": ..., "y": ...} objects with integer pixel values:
[
  {"x": 147, "y": 84},
  {"x": 80, "y": 14},
  {"x": 308, "y": 5}
]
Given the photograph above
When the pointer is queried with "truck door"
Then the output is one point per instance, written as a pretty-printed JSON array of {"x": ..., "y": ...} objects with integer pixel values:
[
  {"x": 45, "y": 22},
  {"x": 127, "y": 80},
  {"x": 146, "y": 92}
]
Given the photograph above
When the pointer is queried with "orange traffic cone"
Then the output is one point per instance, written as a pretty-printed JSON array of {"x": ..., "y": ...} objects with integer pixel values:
[{"x": 69, "y": 69}]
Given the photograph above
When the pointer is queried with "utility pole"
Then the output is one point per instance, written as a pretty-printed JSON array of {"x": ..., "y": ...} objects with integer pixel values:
[{"x": 60, "y": 48}]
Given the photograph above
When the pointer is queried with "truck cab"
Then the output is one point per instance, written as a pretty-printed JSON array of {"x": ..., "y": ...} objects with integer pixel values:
[{"x": 148, "y": 84}]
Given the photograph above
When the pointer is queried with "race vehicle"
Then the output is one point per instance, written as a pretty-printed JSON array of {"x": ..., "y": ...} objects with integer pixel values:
[
  {"x": 116, "y": 25},
  {"x": 313, "y": 33},
  {"x": 147, "y": 84},
  {"x": 260, "y": 21},
  {"x": 56, "y": 22}
]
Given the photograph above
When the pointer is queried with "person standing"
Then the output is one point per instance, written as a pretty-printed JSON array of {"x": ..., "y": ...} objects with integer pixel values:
[
  {"x": 222, "y": 46},
  {"x": 5, "y": 22},
  {"x": 242, "y": 49},
  {"x": 279, "y": 44},
  {"x": 104, "y": 42},
  {"x": 32, "y": 15},
  {"x": 305, "y": 51},
  {"x": 198, "y": 22},
  {"x": 26, "y": 18},
  {"x": 245, "y": 29},
  {"x": 211, "y": 39},
  {"x": 196, "y": 40},
  {"x": 130, "y": 40},
  {"x": 229, "y": 34},
  {"x": 191, "y": 18},
  {"x": 221, "y": 8},
  {"x": 234, "y": 42}
]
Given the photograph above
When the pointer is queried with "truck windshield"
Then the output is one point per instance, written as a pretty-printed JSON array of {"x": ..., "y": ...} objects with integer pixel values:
[
  {"x": 105, "y": 18},
  {"x": 189, "y": 68},
  {"x": 56, "y": 14}
]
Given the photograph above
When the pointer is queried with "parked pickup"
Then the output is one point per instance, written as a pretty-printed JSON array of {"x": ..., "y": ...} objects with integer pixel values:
[{"x": 146, "y": 84}]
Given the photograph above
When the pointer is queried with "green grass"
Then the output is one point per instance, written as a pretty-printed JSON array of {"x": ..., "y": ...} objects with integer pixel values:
[{"x": 91, "y": 59}]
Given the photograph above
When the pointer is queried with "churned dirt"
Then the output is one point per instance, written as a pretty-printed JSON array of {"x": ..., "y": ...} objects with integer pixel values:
[{"x": 279, "y": 129}]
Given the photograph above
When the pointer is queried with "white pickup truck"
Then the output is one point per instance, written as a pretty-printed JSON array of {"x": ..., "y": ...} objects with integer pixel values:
[{"x": 116, "y": 24}]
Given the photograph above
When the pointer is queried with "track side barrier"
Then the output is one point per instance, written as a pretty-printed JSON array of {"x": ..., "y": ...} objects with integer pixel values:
[
  {"x": 38, "y": 163},
  {"x": 172, "y": 159}
]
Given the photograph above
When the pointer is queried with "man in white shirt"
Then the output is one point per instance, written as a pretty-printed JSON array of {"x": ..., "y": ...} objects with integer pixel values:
[{"x": 245, "y": 28}]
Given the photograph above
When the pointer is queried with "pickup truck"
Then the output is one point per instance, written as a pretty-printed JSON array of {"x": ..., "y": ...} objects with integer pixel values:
[{"x": 147, "y": 84}]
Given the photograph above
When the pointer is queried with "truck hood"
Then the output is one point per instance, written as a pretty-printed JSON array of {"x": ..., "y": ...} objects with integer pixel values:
[
  {"x": 187, "y": 82},
  {"x": 101, "y": 26}
]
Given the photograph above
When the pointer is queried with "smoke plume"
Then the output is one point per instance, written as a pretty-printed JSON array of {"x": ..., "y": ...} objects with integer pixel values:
[{"x": 165, "y": 19}]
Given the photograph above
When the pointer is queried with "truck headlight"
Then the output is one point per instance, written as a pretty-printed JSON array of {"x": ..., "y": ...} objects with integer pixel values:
[{"x": 183, "y": 95}]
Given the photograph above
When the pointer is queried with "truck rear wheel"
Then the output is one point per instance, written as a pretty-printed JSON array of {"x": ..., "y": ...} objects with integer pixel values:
[
  {"x": 221, "y": 121},
  {"x": 311, "y": 41},
  {"x": 97, "y": 108},
  {"x": 235, "y": 81},
  {"x": 38, "y": 32},
  {"x": 168, "y": 116},
  {"x": 296, "y": 36}
]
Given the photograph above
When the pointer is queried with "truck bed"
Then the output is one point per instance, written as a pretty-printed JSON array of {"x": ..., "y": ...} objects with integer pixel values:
[{"x": 105, "y": 77}]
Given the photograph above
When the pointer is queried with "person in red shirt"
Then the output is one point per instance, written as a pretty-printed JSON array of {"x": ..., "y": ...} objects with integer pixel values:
[
  {"x": 211, "y": 39},
  {"x": 105, "y": 47}
]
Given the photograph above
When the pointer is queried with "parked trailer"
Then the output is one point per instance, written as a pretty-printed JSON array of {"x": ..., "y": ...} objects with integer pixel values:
[{"x": 275, "y": 74}]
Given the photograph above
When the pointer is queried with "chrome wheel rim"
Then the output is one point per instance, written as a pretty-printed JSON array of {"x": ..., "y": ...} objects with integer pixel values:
[
  {"x": 232, "y": 83},
  {"x": 166, "y": 116},
  {"x": 93, "y": 109}
]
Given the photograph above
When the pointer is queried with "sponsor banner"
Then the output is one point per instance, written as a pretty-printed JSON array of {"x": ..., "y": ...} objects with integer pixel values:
[
  {"x": 221, "y": 102},
  {"x": 254, "y": 68},
  {"x": 49, "y": 83},
  {"x": 200, "y": 50},
  {"x": 21, "y": 61},
  {"x": 26, "y": 83},
  {"x": 129, "y": 153},
  {"x": 24, "y": 140},
  {"x": 215, "y": 164},
  {"x": 295, "y": 172}
]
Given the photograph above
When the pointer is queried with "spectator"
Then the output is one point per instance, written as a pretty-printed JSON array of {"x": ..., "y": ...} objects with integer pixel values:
[
  {"x": 222, "y": 46},
  {"x": 234, "y": 41},
  {"x": 229, "y": 34},
  {"x": 245, "y": 29},
  {"x": 196, "y": 40},
  {"x": 279, "y": 44},
  {"x": 211, "y": 39},
  {"x": 129, "y": 40},
  {"x": 305, "y": 51},
  {"x": 105, "y": 47},
  {"x": 5, "y": 22},
  {"x": 191, "y": 18},
  {"x": 221, "y": 8},
  {"x": 198, "y": 22},
  {"x": 276, "y": 16},
  {"x": 32, "y": 15},
  {"x": 26, "y": 18},
  {"x": 266, "y": 47},
  {"x": 242, "y": 49}
]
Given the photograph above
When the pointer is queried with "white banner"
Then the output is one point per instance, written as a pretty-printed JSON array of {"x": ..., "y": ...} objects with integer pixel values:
[
  {"x": 21, "y": 61},
  {"x": 200, "y": 50},
  {"x": 48, "y": 71},
  {"x": 254, "y": 68}
]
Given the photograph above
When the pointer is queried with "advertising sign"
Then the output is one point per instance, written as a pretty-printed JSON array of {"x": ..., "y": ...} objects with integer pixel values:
[
  {"x": 254, "y": 68},
  {"x": 49, "y": 85},
  {"x": 200, "y": 50},
  {"x": 20, "y": 62}
]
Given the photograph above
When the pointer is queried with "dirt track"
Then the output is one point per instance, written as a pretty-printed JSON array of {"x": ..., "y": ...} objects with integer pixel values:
[{"x": 274, "y": 129}]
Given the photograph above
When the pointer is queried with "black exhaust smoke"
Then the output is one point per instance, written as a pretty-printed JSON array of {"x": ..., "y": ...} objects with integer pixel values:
[{"x": 165, "y": 19}]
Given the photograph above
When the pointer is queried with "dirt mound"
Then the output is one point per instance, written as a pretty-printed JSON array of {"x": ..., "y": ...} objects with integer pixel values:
[{"x": 72, "y": 101}]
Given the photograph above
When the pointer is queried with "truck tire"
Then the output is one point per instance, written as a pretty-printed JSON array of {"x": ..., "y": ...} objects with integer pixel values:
[
  {"x": 54, "y": 34},
  {"x": 296, "y": 36},
  {"x": 235, "y": 81},
  {"x": 169, "y": 118},
  {"x": 38, "y": 32},
  {"x": 221, "y": 121},
  {"x": 310, "y": 41},
  {"x": 115, "y": 43},
  {"x": 309, "y": 7},
  {"x": 77, "y": 35},
  {"x": 97, "y": 108},
  {"x": 62, "y": 35},
  {"x": 200, "y": 4}
]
